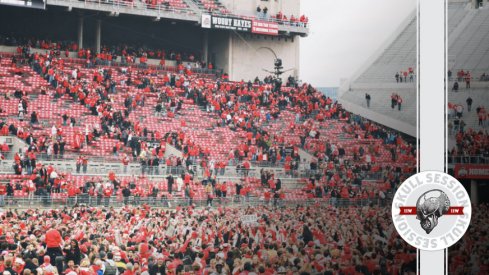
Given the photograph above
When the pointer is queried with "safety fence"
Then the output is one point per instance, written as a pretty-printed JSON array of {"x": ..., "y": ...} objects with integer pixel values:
[
  {"x": 61, "y": 200},
  {"x": 481, "y": 159}
]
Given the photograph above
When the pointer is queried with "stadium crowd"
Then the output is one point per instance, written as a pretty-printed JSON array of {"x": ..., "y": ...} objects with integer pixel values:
[
  {"x": 469, "y": 255},
  {"x": 255, "y": 240},
  {"x": 470, "y": 143},
  {"x": 128, "y": 53},
  {"x": 240, "y": 106},
  {"x": 245, "y": 106}
]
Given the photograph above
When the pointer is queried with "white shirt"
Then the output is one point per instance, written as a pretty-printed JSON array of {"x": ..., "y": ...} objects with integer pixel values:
[
  {"x": 54, "y": 175},
  {"x": 179, "y": 184}
]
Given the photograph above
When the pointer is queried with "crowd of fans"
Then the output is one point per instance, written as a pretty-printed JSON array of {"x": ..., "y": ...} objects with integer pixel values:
[
  {"x": 257, "y": 240},
  {"x": 470, "y": 143},
  {"x": 127, "y": 53},
  {"x": 469, "y": 255},
  {"x": 243, "y": 106},
  {"x": 262, "y": 13},
  {"x": 213, "y": 6},
  {"x": 464, "y": 76},
  {"x": 404, "y": 75}
]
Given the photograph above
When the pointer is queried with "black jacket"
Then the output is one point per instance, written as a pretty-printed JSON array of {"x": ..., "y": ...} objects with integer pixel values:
[{"x": 154, "y": 269}]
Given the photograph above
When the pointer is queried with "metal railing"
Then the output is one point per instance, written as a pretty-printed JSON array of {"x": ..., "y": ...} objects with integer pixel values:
[
  {"x": 480, "y": 159},
  {"x": 130, "y": 6},
  {"x": 267, "y": 18},
  {"x": 119, "y": 201},
  {"x": 137, "y": 65}
]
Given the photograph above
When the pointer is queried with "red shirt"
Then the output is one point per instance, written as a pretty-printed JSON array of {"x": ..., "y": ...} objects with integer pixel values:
[
  {"x": 107, "y": 192},
  {"x": 72, "y": 191},
  {"x": 111, "y": 176},
  {"x": 3, "y": 190},
  {"x": 53, "y": 238},
  {"x": 5, "y": 147}
]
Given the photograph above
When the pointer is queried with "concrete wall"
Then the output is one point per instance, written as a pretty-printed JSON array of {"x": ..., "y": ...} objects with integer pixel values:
[
  {"x": 172, "y": 151},
  {"x": 248, "y": 60},
  {"x": 238, "y": 54},
  {"x": 15, "y": 143}
]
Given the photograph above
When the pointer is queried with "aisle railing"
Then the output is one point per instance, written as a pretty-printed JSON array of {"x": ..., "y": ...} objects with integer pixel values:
[
  {"x": 474, "y": 159},
  {"x": 61, "y": 200}
]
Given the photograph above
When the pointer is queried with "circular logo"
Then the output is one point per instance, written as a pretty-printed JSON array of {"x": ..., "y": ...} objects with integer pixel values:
[{"x": 431, "y": 210}]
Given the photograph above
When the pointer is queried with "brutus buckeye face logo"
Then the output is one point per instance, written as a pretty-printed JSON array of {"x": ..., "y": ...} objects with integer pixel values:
[{"x": 430, "y": 206}]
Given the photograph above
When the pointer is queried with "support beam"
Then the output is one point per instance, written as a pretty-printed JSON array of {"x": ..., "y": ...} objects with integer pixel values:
[
  {"x": 431, "y": 121},
  {"x": 474, "y": 197},
  {"x": 80, "y": 32},
  {"x": 230, "y": 58},
  {"x": 205, "y": 47},
  {"x": 98, "y": 35}
]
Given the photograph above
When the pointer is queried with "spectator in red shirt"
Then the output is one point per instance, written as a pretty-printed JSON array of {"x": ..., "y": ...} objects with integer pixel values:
[{"x": 53, "y": 242}]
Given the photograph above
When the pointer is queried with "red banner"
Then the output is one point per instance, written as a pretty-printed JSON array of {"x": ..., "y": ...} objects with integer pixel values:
[
  {"x": 264, "y": 27},
  {"x": 408, "y": 210},
  {"x": 411, "y": 210},
  {"x": 471, "y": 171}
]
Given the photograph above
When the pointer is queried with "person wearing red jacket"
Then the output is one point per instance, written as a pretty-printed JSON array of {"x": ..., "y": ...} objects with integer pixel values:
[
  {"x": 53, "y": 242},
  {"x": 72, "y": 193},
  {"x": 107, "y": 194}
]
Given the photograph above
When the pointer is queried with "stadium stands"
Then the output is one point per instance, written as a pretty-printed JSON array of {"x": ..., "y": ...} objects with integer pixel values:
[
  {"x": 468, "y": 64},
  {"x": 381, "y": 103},
  {"x": 110, "y": 143},
  {"x": 472, "y": 145},
  {"x": 469, "y": 48},
  {"x": 129, "y": 6},
  {"x": 212, "y": 6},
  {"x": 206, "y": 138},
  {"x": 118, "y": 102},
  {"x": 467, "y": 51},
  {"x": 468, "y": 139},
  {"x": 391, "y": 70},
  {"x": 399, "y": 55},
  {"x": 467, "y": 256}
]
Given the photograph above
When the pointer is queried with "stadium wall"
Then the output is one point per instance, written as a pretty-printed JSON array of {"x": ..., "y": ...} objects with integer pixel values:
[
  {"x": 243, "y": 56},
  {"x": 250, "y": 57}
]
